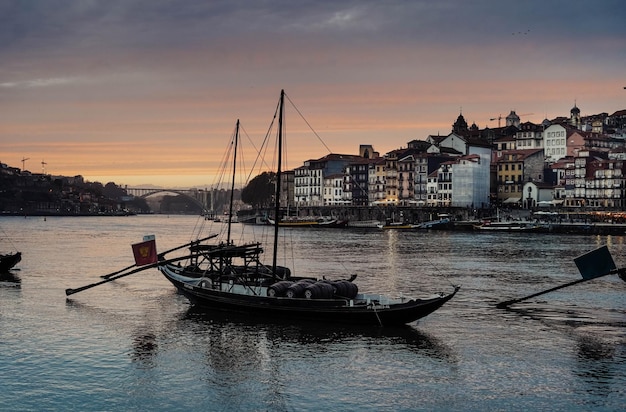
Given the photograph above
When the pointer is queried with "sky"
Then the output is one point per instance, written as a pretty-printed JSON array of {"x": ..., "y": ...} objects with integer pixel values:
[{"x": 147, "y": 92}]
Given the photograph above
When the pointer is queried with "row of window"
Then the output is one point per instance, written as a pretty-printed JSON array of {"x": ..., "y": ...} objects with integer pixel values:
[
  {"x": 556, "y": 151},
  {"x": 557, "y": 134},
  {"x": 505, "y": 166},
  {"x": 555, "y": 142}
]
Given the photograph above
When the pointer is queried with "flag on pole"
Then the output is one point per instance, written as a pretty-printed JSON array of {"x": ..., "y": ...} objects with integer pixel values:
[{"x": 145, "y": 252}]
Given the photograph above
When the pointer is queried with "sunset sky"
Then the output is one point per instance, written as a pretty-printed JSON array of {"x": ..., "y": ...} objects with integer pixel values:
[{"x": 142, "y": 92}]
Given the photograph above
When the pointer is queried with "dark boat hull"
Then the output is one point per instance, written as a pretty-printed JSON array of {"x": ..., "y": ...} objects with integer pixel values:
[
  {"x": 7, "y": 262},
  {"x": 324, "y": 310}
]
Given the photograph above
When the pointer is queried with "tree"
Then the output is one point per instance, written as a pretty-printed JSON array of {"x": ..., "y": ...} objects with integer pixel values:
[
  {"x": 259, "y": 192},
  {"x": 113, "y": 191}
]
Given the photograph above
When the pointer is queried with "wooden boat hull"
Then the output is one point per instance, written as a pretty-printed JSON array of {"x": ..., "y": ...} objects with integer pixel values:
[
  {"x": 510, "y": 227},
  {"x": 315, "y": 223},
  {"x": 355, "y": 311},
  {"x": 8, "y": 261},
  {"x": 436, "y": 224}
]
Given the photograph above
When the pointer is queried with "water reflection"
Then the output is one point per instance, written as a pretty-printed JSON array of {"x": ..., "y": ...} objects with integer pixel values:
[
  {"x": 145, "y": 348},
  {"x": 595, "y": 365},
  {"x": 10, "y": 279},
  {"x": 238, "y": 327},
  {"x": 597, "y": 343}
]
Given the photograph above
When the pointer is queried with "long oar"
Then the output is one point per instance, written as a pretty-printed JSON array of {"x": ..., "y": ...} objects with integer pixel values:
[
  {"x": 140, "y": 269},
  {"x": 160, "y": 254},
  {"x": 505, "y": 304}
]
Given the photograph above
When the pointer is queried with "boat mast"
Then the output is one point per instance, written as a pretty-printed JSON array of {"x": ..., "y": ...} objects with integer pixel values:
[
  {"x": 281, "y": 111},
  {"x": 232, "y": 186}
]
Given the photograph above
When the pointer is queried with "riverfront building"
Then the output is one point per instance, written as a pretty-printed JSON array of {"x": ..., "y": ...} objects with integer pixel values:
[{"x": 576, "y": 161}]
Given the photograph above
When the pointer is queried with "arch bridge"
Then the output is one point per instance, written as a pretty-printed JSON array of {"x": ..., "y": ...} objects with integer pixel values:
[{"x": 198, "y": 196}]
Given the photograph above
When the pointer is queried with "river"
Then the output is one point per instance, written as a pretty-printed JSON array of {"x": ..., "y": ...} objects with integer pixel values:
[{"x": 134, "y": 344}]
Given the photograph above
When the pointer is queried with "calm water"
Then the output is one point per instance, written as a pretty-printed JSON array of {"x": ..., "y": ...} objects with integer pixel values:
[{"x": 135, "y": 344}]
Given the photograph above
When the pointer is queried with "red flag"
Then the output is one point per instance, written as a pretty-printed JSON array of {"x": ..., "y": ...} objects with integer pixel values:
[{"x": 145, "y": 252}]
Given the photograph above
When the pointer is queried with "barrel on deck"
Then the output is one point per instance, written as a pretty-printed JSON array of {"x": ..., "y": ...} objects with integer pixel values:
[
  {"x": 296, "y": 290},
  {"x": 279, "y": 288},
  {"x": 319, "y": 290},
  {"x": 345, "y": 289}
]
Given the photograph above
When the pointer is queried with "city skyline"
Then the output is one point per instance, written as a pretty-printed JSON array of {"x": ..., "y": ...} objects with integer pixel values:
[{"x": 148, "y": 92}]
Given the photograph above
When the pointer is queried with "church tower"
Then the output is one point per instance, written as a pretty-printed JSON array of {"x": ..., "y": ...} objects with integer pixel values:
[
  {"x": 574, "y": 117},
  {"x": 513, "y": 119},
  {"x": 460, "y": 126}
]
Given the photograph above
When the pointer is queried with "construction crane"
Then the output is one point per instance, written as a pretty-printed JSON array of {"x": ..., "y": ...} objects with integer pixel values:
[
  {"x": 499, "y": 118},
  {"x": 43, "y": 167},
  {"x": 24, "y": 159}
]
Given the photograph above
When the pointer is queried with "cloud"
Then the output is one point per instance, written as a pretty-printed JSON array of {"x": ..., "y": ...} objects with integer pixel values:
[
  {"x": 75, "y": 75},
  {"x": 38, "y": 83}
]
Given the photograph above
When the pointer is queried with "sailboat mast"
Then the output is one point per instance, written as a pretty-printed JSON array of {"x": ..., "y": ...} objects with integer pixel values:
[
  {"x": 281, "y": 112},
  {"x": 232, "y": 186}
]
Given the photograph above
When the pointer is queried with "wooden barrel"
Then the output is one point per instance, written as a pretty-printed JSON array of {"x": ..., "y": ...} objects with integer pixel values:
[
  {"x": 296, "y": 290},
  {"x": 319, "y": 290},
  {"x": 346, "y": 289},
  {"x": 278, "y": 288}
]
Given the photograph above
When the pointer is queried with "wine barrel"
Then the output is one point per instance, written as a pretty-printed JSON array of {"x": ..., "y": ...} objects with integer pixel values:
[
  {"x": 319, "y": 290},
  {"x": 346, "y": 289},
  {"x": 296, "y": 290},
  {"x": 278, "y": 288}
]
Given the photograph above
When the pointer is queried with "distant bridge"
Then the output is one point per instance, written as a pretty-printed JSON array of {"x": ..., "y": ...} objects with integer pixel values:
[{"x": 200, "y": 197}]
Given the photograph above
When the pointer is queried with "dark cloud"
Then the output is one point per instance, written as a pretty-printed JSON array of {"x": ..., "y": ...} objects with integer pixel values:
[{"x": 80, "y": 25}]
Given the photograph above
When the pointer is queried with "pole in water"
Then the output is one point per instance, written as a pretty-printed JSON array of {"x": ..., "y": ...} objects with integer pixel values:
[{"x": 592, "y": 265}]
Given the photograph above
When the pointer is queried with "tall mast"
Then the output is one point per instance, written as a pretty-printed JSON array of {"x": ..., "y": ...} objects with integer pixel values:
[
  {"x": 232, "y": 186},
  {"x": 281, "y": 111}
]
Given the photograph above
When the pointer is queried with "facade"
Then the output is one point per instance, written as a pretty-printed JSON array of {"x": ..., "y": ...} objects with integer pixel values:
[
  {"x": 513, "y": 169},
  {"x": 356, "y": 182},
  {"x": 470, "y": 182},
  {"x": 537, "y": 194},
  {"x": 406, "y": 180},
  {"x": 309, "y": 178},
  {"x": 391, "y": 176},
  {"x": 333, "y": 190},
  {"x": 425, "y": 164},
  {"x": 555, "y": 143},
  {"x": 376, "y": 182},
  {"x": 529, "y": 136},
  {"x": 604, "y": 183},
  {"x": 432, "y": 185}
]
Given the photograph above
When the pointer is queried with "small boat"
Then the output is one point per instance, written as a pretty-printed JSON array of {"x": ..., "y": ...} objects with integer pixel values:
[
  {"x": 512, "y": 226},
  {"x": 230, "y": 277},
  {"x": 9, "y": 260},
  {"x": 364, "y": 224},
  {"x": 310, "y": 222},
  {"x": 443, "y": 223},
  {"x": 330, "y": 223},
  {"x": 295, "y": 222},
  {"x": 397, "y": 226}
]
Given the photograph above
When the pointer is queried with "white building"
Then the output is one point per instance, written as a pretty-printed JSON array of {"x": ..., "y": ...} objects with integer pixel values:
[
  {"x": 470, "y": 182},
  {"x": 308, "y": 184},
  {"x": 333, "y": 190},
  {"x": 555, "y": 142},
  {"x": 529, "y": 136}
]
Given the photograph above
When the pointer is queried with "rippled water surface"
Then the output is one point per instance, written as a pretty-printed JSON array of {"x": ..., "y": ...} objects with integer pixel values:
[{"x": 134, "y": 344}]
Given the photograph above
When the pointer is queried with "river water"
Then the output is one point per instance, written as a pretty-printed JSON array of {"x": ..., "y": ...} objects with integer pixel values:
[{"x": 134, "y": 344}]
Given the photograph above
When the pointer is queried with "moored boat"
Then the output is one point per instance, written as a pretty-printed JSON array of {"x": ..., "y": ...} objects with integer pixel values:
[
  {"x": 443, "y": 223},
  {"x": 309, "y": 222},
  {"x": 397, "y": 226},
  {"x": 9, "y": 260},
  {"x": 250, "y": 287},
  {"x": 510, "y": 226},
  {"x": 364, "y": 224}
]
